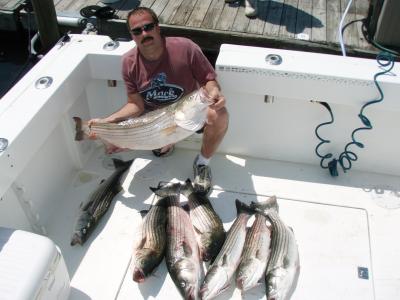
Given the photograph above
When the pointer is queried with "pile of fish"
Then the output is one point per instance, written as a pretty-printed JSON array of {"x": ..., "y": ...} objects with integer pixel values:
[
  {"x": 186, "y": 237},
  {"x": 153, "y": 130}
]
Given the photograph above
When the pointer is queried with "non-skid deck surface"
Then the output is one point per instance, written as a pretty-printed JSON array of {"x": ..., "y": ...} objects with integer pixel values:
[{"x": 330, "y": 218}]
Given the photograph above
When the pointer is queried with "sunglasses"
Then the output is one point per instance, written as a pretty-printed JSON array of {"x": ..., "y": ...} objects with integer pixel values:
[{"x": 146, "y": 27}]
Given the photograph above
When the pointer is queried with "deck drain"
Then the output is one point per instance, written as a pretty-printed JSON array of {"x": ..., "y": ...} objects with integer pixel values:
[
  {"x": 109, "y": 46},
  {"x": 273, "y": 59},
  {"x": 3, "y": 144},
  {"x": 43, "y": 82}
]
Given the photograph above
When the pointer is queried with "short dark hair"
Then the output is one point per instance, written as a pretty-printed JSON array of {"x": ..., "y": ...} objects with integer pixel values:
[{"x": 140, "y": 10}]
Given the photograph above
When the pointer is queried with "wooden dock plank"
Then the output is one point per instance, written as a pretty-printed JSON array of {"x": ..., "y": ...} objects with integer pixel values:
[
  {"x": 78, "y": 5},
  {"x": 63, "y": 5},
  {"x": 274, "y": 17},
  {"x": 199, "y": 13},
  {"x": 146, "y": 3},
  {"x": 241, "y": 22},
  {"x": 362, "y": 7},
  {"x": 343, "y": 5},
  {"x": 257, "y": 25},
  {"x": 288, "y": 21},
  {"x": 10, "y": 5},
  {"x": 5, "y": 4},
  {"x": 350, "y": 34},
  {"x": 170, "y": 10},
  {"x": 227, "y": 17},
  {"x": 332, "y": 21},
  {"x": 213, "y": 14},
  {"x": 183, "y": 12},
  {"x": 158, "y": 7},
  {"x": 304, "y": 18},
  {"x": 318, "y": 30}
]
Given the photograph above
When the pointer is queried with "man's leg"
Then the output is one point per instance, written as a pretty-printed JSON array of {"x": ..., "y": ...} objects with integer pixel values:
[{"x": 213, "y": 133}]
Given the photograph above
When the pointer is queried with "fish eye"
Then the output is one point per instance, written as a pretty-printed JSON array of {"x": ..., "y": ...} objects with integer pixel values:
[
  {"x": 84, "y": 230},
  {"x": 182, "y": 284}
]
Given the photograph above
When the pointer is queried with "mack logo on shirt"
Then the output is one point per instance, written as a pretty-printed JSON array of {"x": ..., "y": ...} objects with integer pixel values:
[{"x": 161, "y": 92}]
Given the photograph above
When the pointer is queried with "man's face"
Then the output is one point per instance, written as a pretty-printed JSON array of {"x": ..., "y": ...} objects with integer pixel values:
[{"x": 144, "y": 31}]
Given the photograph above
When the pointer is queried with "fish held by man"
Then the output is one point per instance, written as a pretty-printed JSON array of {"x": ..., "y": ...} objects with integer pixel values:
[
  {"x": 283, "y": 268},
  {"x": 149, "y": 249},
  {"x": 206, "y": 222},
  {"x": 219, "y": 275},
  {"x": 98, "y": 203},
  {"x": 253, "y": 262},
  {"x": 154, "y": 129},
  {"x": 182, "y": 252}
]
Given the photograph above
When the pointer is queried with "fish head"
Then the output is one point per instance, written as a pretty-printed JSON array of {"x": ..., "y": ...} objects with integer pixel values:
[
  {"x": 145, "y": 262},
  {"x": 247, "y": 276},
  {"x": 192, "y": 112},
  {"x": 187, "y": 278},
  {"x": 281, "y": 283},
  {"x": 216, "y": 281},
  {"x": 83, "y": 227}
]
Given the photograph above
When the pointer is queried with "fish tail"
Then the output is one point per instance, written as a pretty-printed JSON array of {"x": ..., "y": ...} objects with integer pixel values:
[
  {"x": 79, "y": 133},
  {"x": 243, "y": 208},
  {"x": 267, "y": 205},
  {"x": 121, "y": 164},
  {"x": 170, "y": 189},
  {"x": 187, "y": 188}
]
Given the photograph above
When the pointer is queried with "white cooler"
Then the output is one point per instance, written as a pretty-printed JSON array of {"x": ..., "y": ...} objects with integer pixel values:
[{"x": 31, "y": 267}]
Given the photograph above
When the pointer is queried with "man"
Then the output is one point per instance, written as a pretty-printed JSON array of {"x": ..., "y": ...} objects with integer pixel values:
[{"x": 157, "y": 72}]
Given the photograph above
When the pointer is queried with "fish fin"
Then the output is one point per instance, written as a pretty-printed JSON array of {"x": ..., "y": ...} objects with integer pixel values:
[
  {"x": 144, "y": 212},
  {"x": 121, "y": 164},
  {"x": 291, "y": 229},
  {"x": 259, "y": 254},
  {"x": 186, "y": 207},
  {"x": 187, "y": 249},
  {"x": 187, "y": 188},
  {"x": 153, "y": 189},
  {"x": 169, "y": 130},
  {"x": 264, "y": 206},
  {"x": 225, "y": 260},
  {"x": 224, "y": 288},
  {"x": 142, "y": 243},
  {"x": 198, "y": 231},
  {"x": 241, "y": 207},
  {"x": 79, "y": 133}
]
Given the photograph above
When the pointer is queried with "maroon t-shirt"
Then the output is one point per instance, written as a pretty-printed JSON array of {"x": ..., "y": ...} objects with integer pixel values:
[{"x": 181, "y": 69}]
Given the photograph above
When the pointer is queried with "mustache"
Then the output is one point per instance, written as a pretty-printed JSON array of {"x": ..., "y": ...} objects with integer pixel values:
[{"x": 147, "y": 38}]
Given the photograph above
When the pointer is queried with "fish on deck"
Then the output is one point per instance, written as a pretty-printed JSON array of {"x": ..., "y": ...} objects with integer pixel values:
[{"x": 98, "y": 203}]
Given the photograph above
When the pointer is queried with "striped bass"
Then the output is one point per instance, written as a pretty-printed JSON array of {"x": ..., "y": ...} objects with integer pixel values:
[
  {"x": 253, "y": 262},
  {"x": 206, "y": 222},
  {"x": 97, "y": 204},
  {"x": 154, "y": 129},
  {"x": 219, "y": 275},
  {"x": 182, "y": 252},
  {"x": 283, "y": 267},
  {"x": 149, "y": 250}
]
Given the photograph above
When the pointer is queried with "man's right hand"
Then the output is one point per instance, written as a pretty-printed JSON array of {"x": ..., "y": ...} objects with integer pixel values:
[{"x": 92, "y": 135}]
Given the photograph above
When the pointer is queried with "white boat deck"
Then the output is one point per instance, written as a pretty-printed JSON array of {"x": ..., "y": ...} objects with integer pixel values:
[
  {"x": 345, "y": 226},
  {"x": 340, "y": 224}
]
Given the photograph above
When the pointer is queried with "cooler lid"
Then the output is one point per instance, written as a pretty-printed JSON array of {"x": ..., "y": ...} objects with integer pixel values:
[{"x": 25, "y": 260}]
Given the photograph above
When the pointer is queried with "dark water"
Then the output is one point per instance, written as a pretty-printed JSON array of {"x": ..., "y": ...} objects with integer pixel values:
[{"x": 15, "y": 60}]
